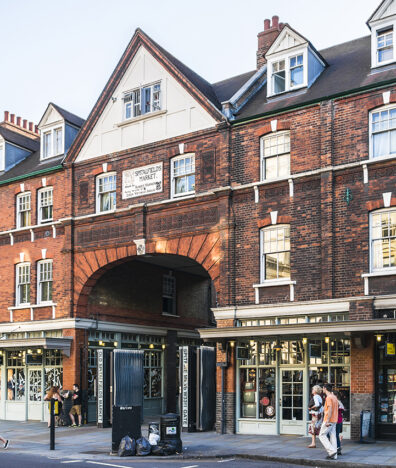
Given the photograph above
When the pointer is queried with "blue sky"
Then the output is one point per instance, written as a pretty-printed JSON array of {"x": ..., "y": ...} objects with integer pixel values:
[{"x": 64, "y": 51}]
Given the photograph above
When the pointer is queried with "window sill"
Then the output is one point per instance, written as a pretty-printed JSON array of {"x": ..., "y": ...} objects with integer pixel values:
[
  {"x": 184, "y": 195},
  {"x": 272, "y": 283},
  {"x": 141, "y": 117},
  {"x": 373, "y": 160},
  {"x": 170, "y": 315}
]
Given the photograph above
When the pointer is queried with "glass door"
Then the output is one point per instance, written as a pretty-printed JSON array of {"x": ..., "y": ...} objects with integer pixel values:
[
  {"x": 291, "y": 401},
  {"x": 35, "y": 395}
]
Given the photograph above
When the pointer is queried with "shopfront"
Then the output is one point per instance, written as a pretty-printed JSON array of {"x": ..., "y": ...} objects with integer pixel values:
[
  {"x": 386, "y": 385},
  {"x": 28, "y": 370},
  {"x": 275, "y": 377}
]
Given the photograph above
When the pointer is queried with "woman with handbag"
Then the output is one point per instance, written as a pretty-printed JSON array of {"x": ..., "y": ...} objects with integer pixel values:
[
  {"x": 54, "y": 394},
  {"x": 315, "y": 407}
]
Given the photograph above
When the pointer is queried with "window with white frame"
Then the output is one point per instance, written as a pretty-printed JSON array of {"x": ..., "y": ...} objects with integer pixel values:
[
  {"x": 385, "y": 45},
  {"x": 183, "y": 175},
  {"x": 143, "y": 100},
  {"x": 383, "y": 240},
  {"x": 275, "y": 155},
  {"x": 275, "y": 252},
  {"x": 106, "y": 192},
  {"x": 22, "y": 284},
  {"x": 168, "y": 294},
  {"x": 23, "y": 209},
  {"x": 383, "y": 132},
  {"x": 2, "y": 157},
  {"x": 44, "y": 281},
  {"x": 52, "y": 142},
  {"x": 45, "y": 205},
  {"x": 287, "y": 73}
]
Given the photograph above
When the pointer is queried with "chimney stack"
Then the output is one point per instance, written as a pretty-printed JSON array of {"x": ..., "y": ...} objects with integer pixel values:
[
  {"x": 12, "y": 118},
  {"x": 24, "y": 124},
  {"x": 18, "y": 121},
  {"x": 266, "y": 38},
  {"x": 6, "y": 116},
  {"x": 30, "y": 126}
]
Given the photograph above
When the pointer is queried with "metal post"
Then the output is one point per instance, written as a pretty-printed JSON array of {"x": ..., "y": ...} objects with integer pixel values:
[{"x": 52, "y": 424}]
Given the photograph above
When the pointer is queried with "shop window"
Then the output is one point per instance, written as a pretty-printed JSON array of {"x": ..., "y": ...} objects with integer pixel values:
[
  {"x": 266, "y": 354},
  {"x": 45, "y": 205},
  {"x": 24, "y": 213},
  {"x": 275, "y": 248},
  {"x": 106, "y": 192},
  {"x": 383, "y": 132},
  {"x": 16, "y": 380},
  {"x": 183, "y": 175},
  {"x": 248, "y": 393},
  {"x": 292, "y": 352},
  {"x": 53, "y": 357},
  {"x": 44, "y": 281},
  {"x": 341, "y": 379},
  {"x": 35, "y": 385},
  {"x": 383, "y": 240},
  {"x": 169, "y": 295},
  {"x": 22, "y": 284},
  {"x": 53, "y": 371},
  {"x": 152, "y": 387},
  {"x": 275, "y": 155},
  {"x": 318, "y": 352},
  {"x": 340, "y": 351},
  {"x": 266, "y": 393}
]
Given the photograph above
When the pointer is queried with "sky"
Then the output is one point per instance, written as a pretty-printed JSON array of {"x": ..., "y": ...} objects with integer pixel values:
[{"x": 65, "y": 51}]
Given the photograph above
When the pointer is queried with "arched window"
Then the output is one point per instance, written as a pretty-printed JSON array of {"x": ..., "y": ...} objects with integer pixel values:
[
  {"x": 275, "y": 155},
  {"x": 383, "y": 239},
  {"x": 275, "y": 252},
  {"x": 383, "y": 132}
]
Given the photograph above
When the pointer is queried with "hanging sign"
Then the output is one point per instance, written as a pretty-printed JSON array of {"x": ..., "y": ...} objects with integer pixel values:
[
  {"x": 142, "y": 181},
  {"x": 390, "y": 349}
]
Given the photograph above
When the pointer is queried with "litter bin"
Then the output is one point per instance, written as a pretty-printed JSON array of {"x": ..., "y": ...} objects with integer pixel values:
[{"x": 170, "y": 430}]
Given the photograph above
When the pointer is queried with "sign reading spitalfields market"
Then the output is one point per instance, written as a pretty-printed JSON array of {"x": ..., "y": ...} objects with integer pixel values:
[{"x": 142, "y": 181}]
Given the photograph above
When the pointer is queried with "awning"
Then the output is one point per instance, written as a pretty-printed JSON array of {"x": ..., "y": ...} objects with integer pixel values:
[
  {"x": 321, "y": 328},
  {"x": 61, "y": 344}
]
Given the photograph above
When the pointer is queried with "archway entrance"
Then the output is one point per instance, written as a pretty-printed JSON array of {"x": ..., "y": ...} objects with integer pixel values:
[{"x": 153, "y": 302}]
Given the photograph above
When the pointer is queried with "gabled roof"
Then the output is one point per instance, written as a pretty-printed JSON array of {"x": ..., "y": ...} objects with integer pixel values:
[
  {"x": 379, "y": 11},
  {"x": 349, "y": 70},
  {"x": 68, "y": 116},
  {"x": 65, "y": 115},
  {"x": 197, "y": 86},
  {"x": 16, "y": 138},
  {"x": 225, "y": 89}
]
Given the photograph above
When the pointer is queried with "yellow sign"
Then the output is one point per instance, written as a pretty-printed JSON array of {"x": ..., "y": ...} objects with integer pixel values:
[{"x": 390, "y": 349}]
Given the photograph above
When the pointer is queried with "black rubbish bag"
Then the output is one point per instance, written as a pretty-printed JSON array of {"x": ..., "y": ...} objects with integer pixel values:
[
  {"x": 127, "y": 447},
  {"x": 143, "y": 447},
  {"x": 157, "y": 450},
  {"x": 170, "y": 447}
]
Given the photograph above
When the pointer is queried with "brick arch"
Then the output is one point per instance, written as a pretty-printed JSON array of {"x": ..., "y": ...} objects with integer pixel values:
[
  {"x": 89, "y": 266},
  {"x": 378, "y": 101},
  {"x": 267, "y": 221},
  {"x": 266, "y": 129},
  {"x": 379, "y": 204}
]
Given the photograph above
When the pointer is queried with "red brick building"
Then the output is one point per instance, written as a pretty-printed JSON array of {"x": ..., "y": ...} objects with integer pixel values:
[{"x": 264, "y": 204}]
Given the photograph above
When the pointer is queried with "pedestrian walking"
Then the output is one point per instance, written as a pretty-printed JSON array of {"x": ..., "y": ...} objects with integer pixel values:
[
  {"x": 54, "y": 393},
  {"x": 341, "y": 410},
  {"x": 329, "y": 423},
  {"x": 6, "y": 443},
  {"x": 315, "y": 407},
  {"x": 76, "y": 408}
]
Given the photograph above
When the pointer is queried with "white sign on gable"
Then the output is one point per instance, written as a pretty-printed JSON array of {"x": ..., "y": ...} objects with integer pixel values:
[{"x": 142, "y": 181}]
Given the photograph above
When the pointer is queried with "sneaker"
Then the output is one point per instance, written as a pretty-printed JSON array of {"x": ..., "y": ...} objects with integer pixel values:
[
  {"x": 332, "y": 456},
  {"x": 6, "y": 445},
  {"x": 79, "y": 425},
  {"x": 73, "y": 425}
]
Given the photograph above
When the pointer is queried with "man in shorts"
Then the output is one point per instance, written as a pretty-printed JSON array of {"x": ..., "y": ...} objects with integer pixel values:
[{"x": 76, "y": 408}]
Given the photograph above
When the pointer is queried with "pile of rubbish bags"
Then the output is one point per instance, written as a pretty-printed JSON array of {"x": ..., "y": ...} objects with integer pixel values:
[{"x": 153, "y": 446}]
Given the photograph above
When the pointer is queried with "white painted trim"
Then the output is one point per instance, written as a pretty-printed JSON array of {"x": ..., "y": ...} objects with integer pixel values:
[
  {"x": 33, "y": 306},
  {"x": 141, "y": 117},
  {"x": 270, "y": 310},
  {"x": 291, "y": 188},
  {"x": 97, "y": 195},
  {"x": 385, "y": 302},
  {"x": 172, "y": 176},
  {"x": 51, "y": 129},
  {"x": 387, "y": 199},
  {"x": 374, "y": 111},
  {"x": 365, "y": 174},
  {"x": 381, "y": 23},
  {"x": 275, "y": 282},
  {"x": 386, "y": 97},
  {"x": 29, "y": 228},
  {"x": 256, "y": 194},
  {"x": 385, "y": 272}
]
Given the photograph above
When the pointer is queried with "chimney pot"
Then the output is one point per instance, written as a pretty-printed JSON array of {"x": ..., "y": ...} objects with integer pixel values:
[
  {"x": 18, "y": 121},
  {"x": 30, "y": 126},
  {"x": 36, "y": 129},
  {"x": 6, "y": 116},
  {"x": 275, "y": 21},
  {"x": 12, "y": 118},
  {"x": 267, "y": 24},
  {"x": 25, "y": 124},
  {"x": 281, "y": 26},
  {"x": 266, "y": 38}
]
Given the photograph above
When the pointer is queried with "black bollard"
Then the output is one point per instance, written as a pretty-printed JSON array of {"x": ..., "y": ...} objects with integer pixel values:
[{"x": 52, "y": 424}]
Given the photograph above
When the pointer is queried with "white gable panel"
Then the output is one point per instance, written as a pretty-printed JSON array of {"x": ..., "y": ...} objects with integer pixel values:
[
  {"x": 112, "y": 134},
  {"x": 391, "y": 10},
  {"x": 50, "y": 117},
  {"x": 286, "y": 40}
]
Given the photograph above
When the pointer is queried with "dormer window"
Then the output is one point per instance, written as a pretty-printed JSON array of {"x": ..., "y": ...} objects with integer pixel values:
[
  {"x": 2, "y": 157},
  {"x": 385, "y": 45},
  {"x": 296, "y": 71},
  {"x": 143, "y": 100},
  {"x": 288, "y": 74},
  {"x": 52, "y": 142},
  {"x": 278, "y": 76}
]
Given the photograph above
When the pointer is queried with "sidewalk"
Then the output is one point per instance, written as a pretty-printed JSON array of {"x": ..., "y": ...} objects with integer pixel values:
[{"x": 89, "y": 443}]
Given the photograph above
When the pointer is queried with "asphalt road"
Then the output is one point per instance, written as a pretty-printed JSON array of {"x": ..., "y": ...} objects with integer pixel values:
[{"x": 14, "y": 460}]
